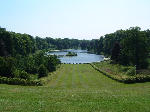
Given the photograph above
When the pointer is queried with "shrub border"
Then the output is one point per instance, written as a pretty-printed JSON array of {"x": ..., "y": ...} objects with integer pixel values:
[
  {"x": 128, "y": 80},
  {"x": 18, "y": 81}
]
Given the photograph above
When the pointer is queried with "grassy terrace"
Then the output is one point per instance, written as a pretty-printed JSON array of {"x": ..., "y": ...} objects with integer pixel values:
[{"x": 77, "y": 88}]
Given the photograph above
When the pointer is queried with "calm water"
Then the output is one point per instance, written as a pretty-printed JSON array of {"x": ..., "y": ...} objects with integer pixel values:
[{"x": 82, "y": 56}]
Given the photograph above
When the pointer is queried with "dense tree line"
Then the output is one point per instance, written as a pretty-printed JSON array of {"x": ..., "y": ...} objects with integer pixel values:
[
  {"x": 12, "y": 44},
  {"x": 127, "y": 47},
  {"x": 58, "y": 43},
  {"x": 22, "y": 55}
]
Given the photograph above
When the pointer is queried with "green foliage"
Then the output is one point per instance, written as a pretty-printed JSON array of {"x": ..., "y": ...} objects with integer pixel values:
[
  {"x": 116, "y": 52},
  {"x": 18, "y": 81},
  {"x": 21, "y": 74},
  {"x": 16, "y": 73},
  {"x": 39, "y": 58},
  {"x": 6, "y": 43},
  {"x": 135, "y": 48},
  {"x": 7, "y": 66},
  {"x": 23, "y": 67},
  {"x": 131, "y": 71},
  {"x": 30, "y": 65},
  {"x": 26, "y": 63},
  {"x": 51, "y": 63},
  {"x": 42, "y": 71},
  {"x": 132, "y": 46}
]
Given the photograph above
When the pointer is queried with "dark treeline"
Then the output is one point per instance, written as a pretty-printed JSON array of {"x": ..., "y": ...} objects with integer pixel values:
[
  {"x": 127, "y": 47},
  {"x": 106, "y": 43},
  {"x": 58, "y": 43},
  {"x": 12, "y": 43},
  {"x": 22, "y": 56}
]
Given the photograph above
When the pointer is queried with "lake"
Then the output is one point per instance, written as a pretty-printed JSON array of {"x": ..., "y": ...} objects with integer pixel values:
[{"x": 82, "y": 56}]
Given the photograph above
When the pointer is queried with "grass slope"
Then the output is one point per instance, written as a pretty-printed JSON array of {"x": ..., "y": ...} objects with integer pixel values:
[{"x": 77, "y": 88}]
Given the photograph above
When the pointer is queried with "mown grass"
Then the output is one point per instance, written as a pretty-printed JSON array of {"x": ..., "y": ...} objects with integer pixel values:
[{"x": 76, "y": 88}]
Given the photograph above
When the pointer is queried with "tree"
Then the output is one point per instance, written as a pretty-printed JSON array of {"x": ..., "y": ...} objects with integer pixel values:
[
  {"x": 116, "y": 52},
  {"x": 42, "y": 71},
  {"x": 6, "y": 45},
  {"x": 7, "y": 66},
  {"x": 51, "y": 63},
  {"x": 135, "y": 47}
]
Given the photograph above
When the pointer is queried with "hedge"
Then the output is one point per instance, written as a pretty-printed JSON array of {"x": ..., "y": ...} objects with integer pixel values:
[{"x": 18, "y": 81}]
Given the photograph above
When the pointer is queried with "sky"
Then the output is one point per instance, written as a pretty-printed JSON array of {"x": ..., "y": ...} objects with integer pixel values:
[{"x": 79, "y": 19}]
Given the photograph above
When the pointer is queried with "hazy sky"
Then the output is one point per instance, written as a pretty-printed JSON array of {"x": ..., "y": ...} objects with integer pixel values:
[{"x": 81, "y": 19}]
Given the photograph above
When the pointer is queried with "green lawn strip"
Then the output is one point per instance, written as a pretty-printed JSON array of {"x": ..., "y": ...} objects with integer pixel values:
[
  {"x": 81, "y": 78},
  {"x": 77, "y": 80},
  {"x": 57, "y": 82},
  {"x": 85, "y": 76},
  {"x": 67, "y": 79},
  {"x": 64, "y": 78},
  {"x": 102, "y": 94},
  {"x": 88, "y": 77},
  {"x": 51, "y": 77},
  {"x": 91, "y": 77},
  {"x": 75, "y": 76},
  {"x": 46, "y": 99}
]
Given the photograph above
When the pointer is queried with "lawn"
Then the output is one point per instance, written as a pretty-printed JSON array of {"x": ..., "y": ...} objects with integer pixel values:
[{"x": 76, "y": 88}]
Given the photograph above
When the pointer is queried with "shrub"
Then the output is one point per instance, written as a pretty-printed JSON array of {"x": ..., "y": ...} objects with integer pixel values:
[
  {"x": 24, "y": 75},
  {"x": 124, "y": 69},
  {"x": 16, "y": 73},
  {"x": 18, "y": 81},
  {"x": 21, "y": 74},
  {"x": 131, "y": 71},
  {"x": 42, "y": 71},
  {"x": 51, "y": 63},
  {"x": 31, "y": 66},
  {"x": 31, "y": 69},
  {"x": 2, "y": 66}
]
